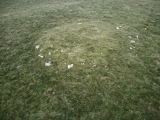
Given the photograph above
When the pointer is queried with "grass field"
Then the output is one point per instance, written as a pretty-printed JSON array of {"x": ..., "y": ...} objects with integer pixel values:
[{"x": 114, "y": 46}]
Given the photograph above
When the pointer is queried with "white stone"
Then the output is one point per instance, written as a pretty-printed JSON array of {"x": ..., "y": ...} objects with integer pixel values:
[
  {"x": 117, "y": 28},
  {"x": 37, "y": 46},
  {"x": 132, "y": 41},
  {"x": 48, "y": 63},
  {"x": 94, "y": 65},
  {"x": 129, "y": 36},
  {"x": 70, "y": 66},
  {"x": 18, "y": 66},
  {"x": 137, "y": 36},
  {"x": 41, "y": 56}
]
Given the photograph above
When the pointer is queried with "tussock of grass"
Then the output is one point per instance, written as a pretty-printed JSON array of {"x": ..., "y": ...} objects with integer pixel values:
[{"x": 111, "y": 77}]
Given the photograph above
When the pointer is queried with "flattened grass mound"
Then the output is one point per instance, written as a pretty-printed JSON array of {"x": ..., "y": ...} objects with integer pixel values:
[{"x": 78, "y": 43}]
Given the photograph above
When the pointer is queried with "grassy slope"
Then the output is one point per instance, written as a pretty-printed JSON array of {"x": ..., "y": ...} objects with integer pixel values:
[{"x": 114, "y": 82}]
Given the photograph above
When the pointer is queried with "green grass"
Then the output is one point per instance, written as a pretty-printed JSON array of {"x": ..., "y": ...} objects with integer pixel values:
[{"x": 112, "y": 78}]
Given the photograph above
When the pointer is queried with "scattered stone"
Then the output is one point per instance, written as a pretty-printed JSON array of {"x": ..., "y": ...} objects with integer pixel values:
[
  {"x": 132, "y": 41},
  {"x": 48, "y": 63},
  {"x": 37, "y": 46},
  {"x": 94, "y": 65},
  {"x": 18, "y": 66},
  {"x": 70, "y": 66},
  {"x": 79, "y": 23},
  {"x": 41, "y": 56},
  {"x": 131, "y": 48},
  {"x": 49, "y": 53},
  {"x": 137, "y": 36},
  {"x": 119, "y": 27},
  {"x": 129, "y": 36}
]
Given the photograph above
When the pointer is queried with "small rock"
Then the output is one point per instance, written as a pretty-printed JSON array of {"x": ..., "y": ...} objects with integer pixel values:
[
  {"x": 129, "y": 36},
  {"x": 18, "y": 66},
  {"x": 40, "y": 56},
  {"x": 37, "y": 46},
  {"x": 49, "y": 53},
  {"x": 132, "y": 41},
  {"x": 48, "y": 63},
  {"x": 120, "y": 27},
  {"x": 79, "y": 23},
  {"x": 70, "y": 66},
  {"x": 137, "y": 36},
  {"x": 117, "y": 28},
  {"x": 94, "y": 65}
]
